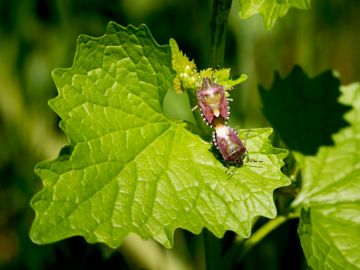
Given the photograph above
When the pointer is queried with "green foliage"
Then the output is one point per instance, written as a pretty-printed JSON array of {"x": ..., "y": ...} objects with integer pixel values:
[
  {"x": 187, "y": 76},
  {"x": 128, "y": 167},
  {"x": 186, "y": 71},
  {"x": 37, "y": 36},
  {"x": 271, "y": 10},
  {"x": 304, "y": 111},
  {"x": 330, "y": 197}
]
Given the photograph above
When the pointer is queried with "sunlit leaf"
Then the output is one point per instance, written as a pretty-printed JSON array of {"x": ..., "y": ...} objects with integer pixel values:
[
  {"x": 186, "y": 71},
  {"x": 129, "y": 168},
  {"x": 271, "y": 10},
  {"x": 330, "y": 197}
]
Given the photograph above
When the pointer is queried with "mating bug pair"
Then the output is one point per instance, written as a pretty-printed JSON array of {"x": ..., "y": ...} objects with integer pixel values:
[{"x": 215, "y": 110}]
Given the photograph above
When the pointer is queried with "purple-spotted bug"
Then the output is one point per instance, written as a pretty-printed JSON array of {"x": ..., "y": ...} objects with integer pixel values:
[
  {"x": 212, "y": 102},
  {"x": 227, "y": 141}
]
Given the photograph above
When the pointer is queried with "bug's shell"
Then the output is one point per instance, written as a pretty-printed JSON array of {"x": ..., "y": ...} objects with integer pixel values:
[
  {"x": 229, "y": 144},
  {"x": 212, "y": 102}
]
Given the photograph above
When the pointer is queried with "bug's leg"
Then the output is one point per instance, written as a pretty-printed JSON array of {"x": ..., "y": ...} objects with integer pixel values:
[
  {"x": 246, "y": 137},
  {"x": 246, "y": 156},
  {"x": 230, "y": 171},
  {"x": 248, "y": 160},
  {"x": 252, "y": 166},
  {"x": 246, "y": 151},
  {"x": 194, "y": 108}
]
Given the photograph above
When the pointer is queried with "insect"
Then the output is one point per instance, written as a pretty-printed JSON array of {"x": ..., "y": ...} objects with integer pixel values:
[
  {"x": 215, "y": 111},
  {"x": 227, "y": 141},
  {"x": 212, "y": 102}
]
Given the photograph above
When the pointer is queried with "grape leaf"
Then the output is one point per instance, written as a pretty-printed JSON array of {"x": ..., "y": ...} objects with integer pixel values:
[
  {"x": 129, "y": 168},
  {"x": 304, "y": 111},
  {"x": 330, "y": 197},
  {"x": 271, "y": 10}
]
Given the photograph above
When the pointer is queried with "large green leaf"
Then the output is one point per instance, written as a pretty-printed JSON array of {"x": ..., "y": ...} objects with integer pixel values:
[
  {"x": 330, "y": 197},
  {"x": 271, "y": 10},
  {"x": 305, "y": 111},
  {"x": 128, "y": 167}
]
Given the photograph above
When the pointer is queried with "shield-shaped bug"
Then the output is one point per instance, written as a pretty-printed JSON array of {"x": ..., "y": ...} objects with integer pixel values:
[
  {"x": 212, "y": 102},
  {"x": 229, "y": 145}
]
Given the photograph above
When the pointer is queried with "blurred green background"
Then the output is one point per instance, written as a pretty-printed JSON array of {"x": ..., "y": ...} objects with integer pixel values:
[{"x": 37, "y": 36}]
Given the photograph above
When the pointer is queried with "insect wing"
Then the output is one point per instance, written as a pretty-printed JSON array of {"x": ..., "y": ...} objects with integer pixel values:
[
  {"x": 229, "y": 144},
  {"x": 212, "y": 102},
  {"x": 206, "y": 111}
]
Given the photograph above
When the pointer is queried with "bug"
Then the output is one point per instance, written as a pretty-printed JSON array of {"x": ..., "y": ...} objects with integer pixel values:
[
  {"x": 212, "y": 102},
  {"x": 227, "y": 141}
]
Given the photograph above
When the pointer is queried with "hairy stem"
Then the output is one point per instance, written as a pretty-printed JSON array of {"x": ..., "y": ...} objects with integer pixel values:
[{"x": 218, "y": 25}]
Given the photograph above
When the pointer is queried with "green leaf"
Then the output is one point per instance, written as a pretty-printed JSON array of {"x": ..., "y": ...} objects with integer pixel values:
[
  {"x": 330, "y": 197},
  {"x": 186, "y": 71},
  {"x": 271, "y": 10},
  {"x": 187, "y": 76},
  {"x": 222, "y": 76},
  {"x": 304, "y": 111},
  {"x": 128, "y": 167}
]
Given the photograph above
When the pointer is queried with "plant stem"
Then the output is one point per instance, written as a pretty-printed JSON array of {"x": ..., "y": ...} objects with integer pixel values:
[
  {"x": 242, "y": 246},
  {"x": 266, "y": 229},
  {"x": 147, "y": 254},
  {"x": 218, "y": 25},
  {"x": 212, "y": 251}
]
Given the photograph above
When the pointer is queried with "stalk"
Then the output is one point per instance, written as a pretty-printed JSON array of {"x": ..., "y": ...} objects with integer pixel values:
[
  {"x": 218, "y": 24},
  {"x": 242, "y": 246}
]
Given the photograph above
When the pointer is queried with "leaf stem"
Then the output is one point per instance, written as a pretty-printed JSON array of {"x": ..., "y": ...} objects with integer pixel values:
[
  {"x": 218, "y": 25},
  {"x": 242, "y": 246},
  {"x": 266, "y": 229}
]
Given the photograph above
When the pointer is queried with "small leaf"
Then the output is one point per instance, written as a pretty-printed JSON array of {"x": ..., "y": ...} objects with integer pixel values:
[
  {"x": 330, "y": 196},
  {"x": 186, "y": 71},
  {"x": 222, "y": 76},
  {"x": 187, "y": 76},
  {"x": 271, "y": 10},
  {"x": 304, "y": 111},
  {"x": 230, "y": 83},
  {"x": 129, "y": 168}
]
